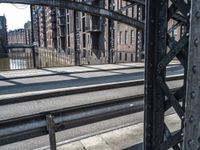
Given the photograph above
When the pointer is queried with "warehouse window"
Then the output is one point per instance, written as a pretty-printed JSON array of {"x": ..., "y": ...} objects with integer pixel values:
[
  {"x": 126, "y": 37},
  {"x": 120, "y": 37},
  {"x": 132, "y": 36}
]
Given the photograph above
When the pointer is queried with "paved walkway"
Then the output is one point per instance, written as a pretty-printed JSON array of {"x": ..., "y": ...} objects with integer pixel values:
[
  {"x": 67, "y": 70},
  {"x": 127, "y": 138}
]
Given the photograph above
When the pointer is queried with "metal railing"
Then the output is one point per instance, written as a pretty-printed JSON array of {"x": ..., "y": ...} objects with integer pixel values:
[
  {"x": 52, "y": 58},
  {"x": 36, "y": 57},
  {"x": 124, "y": 56}
]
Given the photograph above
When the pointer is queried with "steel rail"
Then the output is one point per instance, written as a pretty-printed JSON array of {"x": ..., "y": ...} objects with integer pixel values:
[
  {"x": 91, "y": 88},
  {"x": 17, "y": 129}
]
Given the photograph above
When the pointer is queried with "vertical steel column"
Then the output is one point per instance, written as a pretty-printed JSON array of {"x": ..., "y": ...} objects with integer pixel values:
[
  {"x": 158, "y": 96},
  {"x": 139, "y": 33},
  {"x": 111, "y": 37},
  {"x": 192, "y": 119},
  {"x": 51, "y": 130},
  {"x": 155, "y": 46},
  {"x": 76, "y": 40},
  {"x": 32, "y": 37}
]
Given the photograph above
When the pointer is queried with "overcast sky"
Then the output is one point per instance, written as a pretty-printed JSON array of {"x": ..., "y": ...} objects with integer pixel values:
[{"x": 16, "y": 15}]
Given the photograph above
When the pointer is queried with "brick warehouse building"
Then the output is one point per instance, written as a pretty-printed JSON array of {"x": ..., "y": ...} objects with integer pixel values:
[
  {"x": 56, "y": 28},
  {"x": 21, "y": 36},
  {"x": 3, "y": 37},
  {"x": 91, "y": 39},
  {"x": 17, "y": 36}
]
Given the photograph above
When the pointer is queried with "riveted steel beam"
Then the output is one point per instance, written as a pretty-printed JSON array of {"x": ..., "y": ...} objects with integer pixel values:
[
  {"x": 159, "y": 17},
  {"x": 78, "y": 6},
  {"x": 141, "y": 2},
  {"x": 192, "y": 119},
  {"x": 155, "y": 46}
]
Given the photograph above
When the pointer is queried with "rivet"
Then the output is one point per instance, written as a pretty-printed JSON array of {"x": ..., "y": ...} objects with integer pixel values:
[
  {"x": 187, "y": 34},
  {"x": 194, "y": 69},
  {"x": 191, "y": 119},
  {"x": 193, "y": 94},
  {"x": 150, "y": 86},
  {"x": 190, "y": 142},
  {"x": 197, "y": 15},
  {"x": 196, "y": 42},
  {"x": 182, "y": 134},
  {"x": 188, "y": 14},
  {"x": 182, "y": 117}
]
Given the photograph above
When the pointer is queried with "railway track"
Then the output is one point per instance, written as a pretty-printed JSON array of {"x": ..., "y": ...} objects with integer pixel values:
[
  {"x": 76, "y": 90},
  {"x": 49, "y": 122}
]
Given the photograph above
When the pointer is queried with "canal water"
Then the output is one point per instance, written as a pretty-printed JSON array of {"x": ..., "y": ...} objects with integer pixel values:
[
  {"x": 7, "y": 64},
  {"x": 24, "y": 60}
]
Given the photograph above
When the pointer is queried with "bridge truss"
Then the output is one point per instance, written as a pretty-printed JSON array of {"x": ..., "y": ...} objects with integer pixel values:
[{"x": 161, "y": 48}]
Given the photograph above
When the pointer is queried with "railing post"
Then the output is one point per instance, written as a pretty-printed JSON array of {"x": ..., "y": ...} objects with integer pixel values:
[
  {"x": 34, "y": 57},
  {"x": 111, "y": 38},
  {"x": 51, "y": 130},
  {"x": 33, "y": 38}
]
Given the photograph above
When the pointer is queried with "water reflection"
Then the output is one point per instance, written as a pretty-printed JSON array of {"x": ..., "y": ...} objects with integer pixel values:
[
  {"x": 4, "y": 64},
  {"x": 14, "y": 64}
]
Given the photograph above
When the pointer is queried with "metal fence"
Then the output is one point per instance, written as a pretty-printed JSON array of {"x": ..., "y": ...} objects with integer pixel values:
[
  {"x": 29, "y": 58},
  {"x": 123, "y": 56},
  {"x": 52, "y": 58}
]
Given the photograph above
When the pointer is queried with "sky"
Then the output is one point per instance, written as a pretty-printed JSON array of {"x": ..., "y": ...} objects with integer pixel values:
[{"x": 16, "y": 15}]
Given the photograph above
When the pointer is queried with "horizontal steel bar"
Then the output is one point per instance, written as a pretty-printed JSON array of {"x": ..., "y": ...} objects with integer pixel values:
[
  {"x": 67, "y": 4},
  {"x": 142, "y": 2},
  {"x": 65, "y": 92},
  {"x": 19, "y": 46}
]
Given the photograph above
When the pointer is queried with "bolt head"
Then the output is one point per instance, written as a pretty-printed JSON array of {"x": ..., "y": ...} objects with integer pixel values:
[{"x": 197, "y": 15}]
